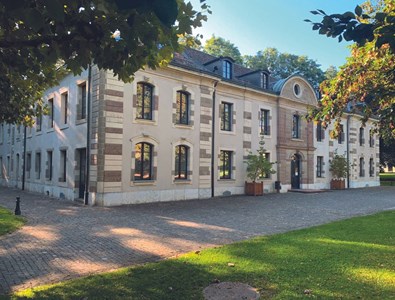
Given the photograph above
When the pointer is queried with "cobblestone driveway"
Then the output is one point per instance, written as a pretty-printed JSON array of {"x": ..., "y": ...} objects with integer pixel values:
[{"x": 62, "y": 240}]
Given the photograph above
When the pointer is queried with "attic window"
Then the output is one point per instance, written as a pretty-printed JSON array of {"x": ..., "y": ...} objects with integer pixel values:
[
  {"x": 264, "y": 80},
  {"x": 297, "y": 90},
  {"x": 226, "y": 69}
]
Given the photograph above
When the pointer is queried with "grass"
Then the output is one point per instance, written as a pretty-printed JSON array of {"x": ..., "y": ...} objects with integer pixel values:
[
  {"x": 9, "y": 222},
  {"x": 350, "y": 259},
  {"x": 387, "y": 179}
]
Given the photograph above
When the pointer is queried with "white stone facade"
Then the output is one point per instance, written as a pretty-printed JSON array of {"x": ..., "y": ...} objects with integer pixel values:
[{"x": 122, "y": 173}]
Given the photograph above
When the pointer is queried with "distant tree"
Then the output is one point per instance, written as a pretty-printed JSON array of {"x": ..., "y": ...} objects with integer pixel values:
[
  {"x": 218, "y": 46},
  {"x": 387, "y": 152},
  {"x": 283, "y": 65},
  {"x": 366, "y": 83},
  {"x": 366, "y": 24},
  {"x": 36, "y": 37},
  {"x": 331, "y": 72}
]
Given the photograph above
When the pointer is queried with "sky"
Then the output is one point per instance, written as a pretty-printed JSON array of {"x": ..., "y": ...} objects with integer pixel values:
[{"x": 253, "y": 25}]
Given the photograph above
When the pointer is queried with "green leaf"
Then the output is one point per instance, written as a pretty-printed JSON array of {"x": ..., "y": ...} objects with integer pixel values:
[
  {"x": 55, "y": 9},
  {"x": 358, "y": 11},
  {"x": 34, "y": 19}
]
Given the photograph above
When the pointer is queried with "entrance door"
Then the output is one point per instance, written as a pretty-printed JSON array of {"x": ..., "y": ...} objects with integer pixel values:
[
  {"x": 82, "y": 166},
  {"x": 295, "y": 172}
]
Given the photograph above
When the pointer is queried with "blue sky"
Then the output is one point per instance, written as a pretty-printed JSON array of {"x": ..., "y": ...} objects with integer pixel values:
[{"x": 254, "y": 25}]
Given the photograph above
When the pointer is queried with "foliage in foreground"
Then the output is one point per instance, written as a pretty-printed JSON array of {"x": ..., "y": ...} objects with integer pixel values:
[
  {"x": 117, "y": 35},
  {"x": 9, "y": 222},
  {"x": 351, "y": 259}
]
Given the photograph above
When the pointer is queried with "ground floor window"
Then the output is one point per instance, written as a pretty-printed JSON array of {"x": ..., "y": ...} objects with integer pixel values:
[
  {"x": 320, "y": 163},
  {"x": 225, "y": 164},
  {"x": 143, "y": 161},
  {"x": 181, "y": 162}
]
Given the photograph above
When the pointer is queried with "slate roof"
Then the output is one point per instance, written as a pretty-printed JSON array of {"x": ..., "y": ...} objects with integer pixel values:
[{"x": 196, "y": 60}]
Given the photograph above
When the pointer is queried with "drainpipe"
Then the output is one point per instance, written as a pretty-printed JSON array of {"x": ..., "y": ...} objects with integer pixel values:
[
  {"x": 348, "y": 150},
  {"x": 88, "y": 136},
  {"x": 278, "y": 188},
  {"x": 24, "y": 159},
  {"x": 213, "y": 139}
]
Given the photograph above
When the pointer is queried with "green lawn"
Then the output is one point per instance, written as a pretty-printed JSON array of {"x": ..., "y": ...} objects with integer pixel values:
[
  {"x": 387, "y": 179},
  {"x": 9, "y": 222},
  {"x": 351, "y": 259}
]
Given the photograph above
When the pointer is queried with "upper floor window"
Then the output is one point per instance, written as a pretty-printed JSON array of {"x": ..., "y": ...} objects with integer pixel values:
[
  {"x": 82, "y": 101},
  {"x": 264, "y": 80},
  {"x": 143, "y": 161},
  {"x": 51, "y": 113},
  {"x": 144, "y": 103},
  {"x": 225, "y": 164},
  {"x": 320, "y": 132},
  {"x": 1, "y": 134},
  {"x": 226, "y": 69},
  {"x": 361, "y": 167},
  {"x": 296, "y": 126},
  {"x": 340, "y": 137},
  {"x": 65, "y": 104},
  {"x": 264, "y": 121},
  {"x": 226, "y": 116},
  {"x": 371, "y": 138},
  {"x": 181, "y": 162},
  {"x": 361, "y": 136},
  {"x": 182, "y": 112}
]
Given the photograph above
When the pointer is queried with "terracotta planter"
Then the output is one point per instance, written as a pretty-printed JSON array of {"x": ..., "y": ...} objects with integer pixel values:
[
  {"x": 338, "y": 184},
  {"x": 254, "y": 188}
]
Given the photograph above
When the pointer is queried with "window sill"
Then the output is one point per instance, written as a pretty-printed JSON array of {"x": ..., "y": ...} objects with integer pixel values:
[
  {"x": 80, "y": 121},
  {"x": 183, "y": 126},
  {"x": 297, "y": 139},
  {"x": 227, "y": 132},
  {"x": 64, "y": 127},
  {"x": 182, "y": 181},
  {"x": 226, "y": 180},
  {"x": 50, "y": 130},
  {"x": 145, "y": 122},
  {"x": 143, "y": 182}
]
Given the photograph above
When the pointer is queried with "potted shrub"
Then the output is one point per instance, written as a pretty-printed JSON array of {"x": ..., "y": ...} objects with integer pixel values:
[
  {"x": 339, "y": 169},
  {"x": 257, "y": 167}
]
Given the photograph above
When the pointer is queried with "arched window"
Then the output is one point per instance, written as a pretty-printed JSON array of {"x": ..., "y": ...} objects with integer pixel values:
[
  {"x": 226, "y": 69},
  {"x": 181, "y": 162},
  {"x": 143, "y": 161},
  {"x": 182, "y": 108},
  {"x": 144, "y": 103}
]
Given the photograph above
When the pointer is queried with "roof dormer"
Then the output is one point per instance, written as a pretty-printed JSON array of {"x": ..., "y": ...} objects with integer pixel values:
[{"x": 222, "y": 66}]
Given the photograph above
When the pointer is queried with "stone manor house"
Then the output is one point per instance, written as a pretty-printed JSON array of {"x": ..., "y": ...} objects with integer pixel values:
[{"x": 176, "y": 133}]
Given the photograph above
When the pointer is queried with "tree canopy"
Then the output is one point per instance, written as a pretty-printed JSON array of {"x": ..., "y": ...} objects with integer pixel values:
[
  {"x": 283, "y": 65},
  {"x": 36, "y": 37},
  {"x": 218, "y": 46},
  {"x": 365, "y": 24},
  {"x": 366, "y": 83}
]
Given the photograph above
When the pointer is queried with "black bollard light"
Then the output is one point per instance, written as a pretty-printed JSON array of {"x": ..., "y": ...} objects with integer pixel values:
[{"x": 18, "y": 206}]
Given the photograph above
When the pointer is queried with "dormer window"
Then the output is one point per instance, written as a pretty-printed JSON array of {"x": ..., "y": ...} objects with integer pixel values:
[
  {"x": 264, "y": 80},
  {"x": 226, "y": 69}
]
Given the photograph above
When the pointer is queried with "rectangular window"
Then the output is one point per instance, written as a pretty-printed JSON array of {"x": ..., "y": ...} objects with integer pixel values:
[
  {"x": 37, "y": 163},
  {"x": 48, "y": 173},
  {"x": 320, "y": 132},
  {"x": 371, "y": 167},
  {"x": 181, "y": 162},
  {"x": 1, "y": 133},
  {"x": 39, "y": 120},
  {"x": 296, "y": 127},
  {"x": 51, "y": 113},
  {"x": 361, "y": 167},
  {"x": 264, "y": 175},
  {"x": 182, "y": 110},
  {"x": 320, "y": 165},
  {"x": 225, "y": 165},
  {"x": 361, "y": 136},
  {"x": 371, "y": 138},
  {"x": 65, "y": 104},
  {"x": 264, "y": 121},
  {"x": 82, "y": 101},
  {"x": 340, "y": 138},
  {"x": 143, "y": 161},
  {"x": 144, "y": 105},
  {"x": 28, "y": 164},
  {"x": 1, "y": 168},
  {"x": 226, "y": 69},
  {"x": 63, "y": 166},
  {"x": 226, "y": 116}
]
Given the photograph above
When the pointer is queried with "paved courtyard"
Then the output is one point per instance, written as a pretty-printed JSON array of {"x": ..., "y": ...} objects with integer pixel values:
[{"x": 64, "y": 240}]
